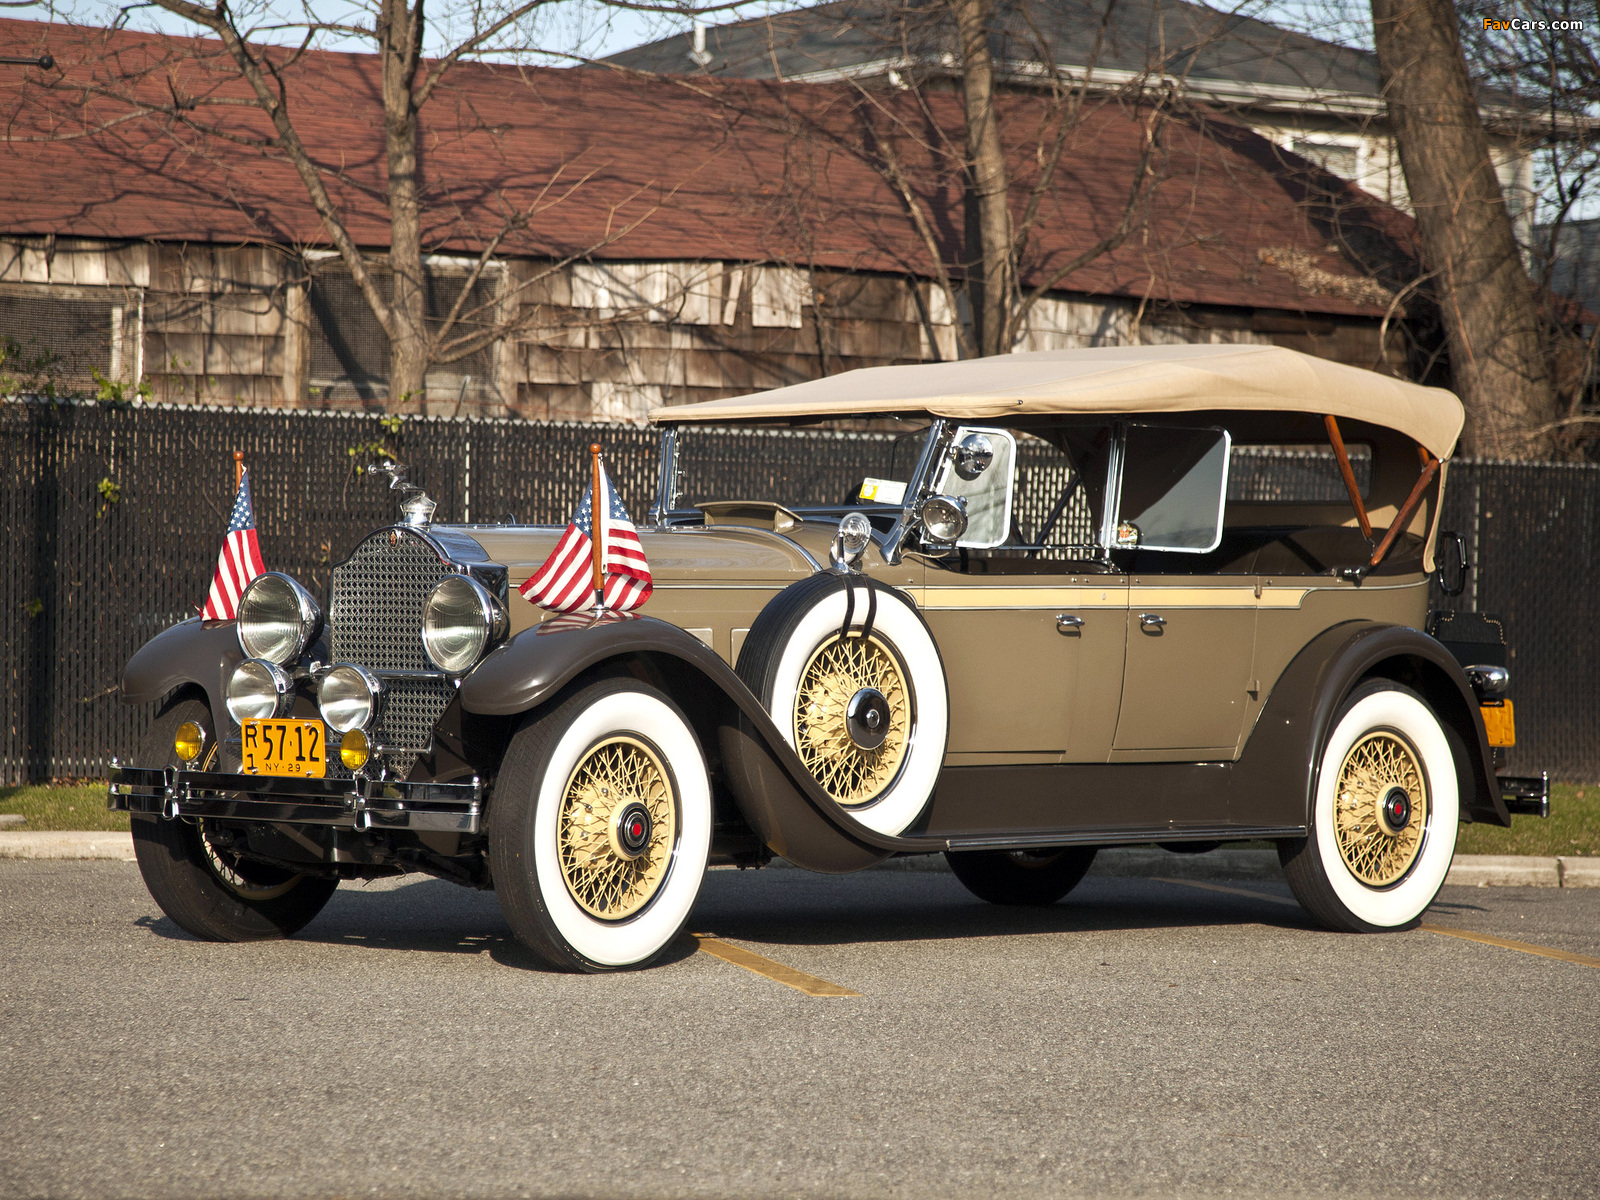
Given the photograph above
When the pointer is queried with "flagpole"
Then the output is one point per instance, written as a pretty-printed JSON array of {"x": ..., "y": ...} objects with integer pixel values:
[
  {"x": 238, "y": 469},
  {"x": 597, "y": 528}
]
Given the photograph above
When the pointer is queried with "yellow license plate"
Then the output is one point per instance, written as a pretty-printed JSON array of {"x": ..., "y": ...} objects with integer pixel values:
[
  {"x": 1499, "y": 723},
  {"x": 295, "y": 748}
]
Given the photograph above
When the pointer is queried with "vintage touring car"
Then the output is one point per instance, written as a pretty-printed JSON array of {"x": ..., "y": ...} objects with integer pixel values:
[{"x": 1037, "y": 621}]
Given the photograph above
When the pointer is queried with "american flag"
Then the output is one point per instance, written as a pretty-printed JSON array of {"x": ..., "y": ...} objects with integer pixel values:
[
  {"x": 566, "y": 581},
  {"x": 240, "y": 560}
]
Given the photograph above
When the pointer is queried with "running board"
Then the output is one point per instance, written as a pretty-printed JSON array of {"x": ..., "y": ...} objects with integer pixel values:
[{"x": 1123, "y": 835}]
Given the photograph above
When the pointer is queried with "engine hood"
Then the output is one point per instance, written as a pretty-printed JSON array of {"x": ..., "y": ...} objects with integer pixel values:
[{"x": 679, "y": 558}]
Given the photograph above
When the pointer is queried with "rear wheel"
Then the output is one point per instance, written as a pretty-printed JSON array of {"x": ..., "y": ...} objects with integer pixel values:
[
  {"x": 1384, "y": 815},
  {"x": 199, "y": 882},
  {"x": 600, "y": 828},
  {"x": 1021, "y": 876}
]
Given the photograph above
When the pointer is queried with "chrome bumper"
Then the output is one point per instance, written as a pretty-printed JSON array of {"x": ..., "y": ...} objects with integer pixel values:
[
  {"x": 362, "y": 804},
  {"x": 1528, "y": 795}
]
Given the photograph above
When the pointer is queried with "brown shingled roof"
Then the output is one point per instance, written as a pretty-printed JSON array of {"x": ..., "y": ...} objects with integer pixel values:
[{"x": 648, "y": 168}]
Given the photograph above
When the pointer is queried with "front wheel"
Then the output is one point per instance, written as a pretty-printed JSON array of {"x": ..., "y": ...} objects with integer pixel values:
[
  {"x": 1383, "y": 818},
  {"x": 199, "y": 882},
  {"x": 600, "y": 828},
  {"x": 1035, "y": 877}
]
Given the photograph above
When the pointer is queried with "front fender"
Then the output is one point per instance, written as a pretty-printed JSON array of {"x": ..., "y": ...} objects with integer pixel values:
[
  {"x": 1288, "y": 739},
  {"x": 197, "y": 652},
  {"x": 775, "y": 793}
]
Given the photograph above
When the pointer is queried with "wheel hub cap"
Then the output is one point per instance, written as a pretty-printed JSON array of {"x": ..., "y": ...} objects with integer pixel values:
[
  {"x": 1380, "y": 806},
  {"x": 630, "y": 831},
  {"x": 1394, "y": 814},
  {"x": 867, "y": 718}
]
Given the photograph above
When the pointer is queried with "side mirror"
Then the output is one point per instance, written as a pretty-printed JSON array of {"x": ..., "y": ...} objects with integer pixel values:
[
  {"x": 1450, "y": 563},
  {"x": 973, "y": 454}
]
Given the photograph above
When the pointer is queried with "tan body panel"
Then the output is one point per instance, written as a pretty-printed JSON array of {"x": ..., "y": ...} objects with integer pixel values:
[
  {"x": 1020, "y": 690},
  {"x": 1282, "y": 632}
]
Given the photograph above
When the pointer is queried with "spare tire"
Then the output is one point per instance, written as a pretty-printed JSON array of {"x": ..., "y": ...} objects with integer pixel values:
[{"x": 852, "y": 676}]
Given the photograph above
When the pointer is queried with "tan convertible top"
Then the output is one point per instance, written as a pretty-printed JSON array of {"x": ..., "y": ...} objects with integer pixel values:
[{"x": 1123, "y": 379}]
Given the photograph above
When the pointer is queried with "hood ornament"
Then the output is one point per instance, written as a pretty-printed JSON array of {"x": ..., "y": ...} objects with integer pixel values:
[{"x": 416, "y": 506}]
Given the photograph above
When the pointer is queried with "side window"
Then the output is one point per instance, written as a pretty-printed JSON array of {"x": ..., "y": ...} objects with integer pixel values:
[
  {"x": 1052, "y": 510},
  {"x": 1173, "y": 486}
]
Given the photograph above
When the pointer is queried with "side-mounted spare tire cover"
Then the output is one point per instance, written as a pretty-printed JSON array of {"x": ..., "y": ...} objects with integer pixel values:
[{"x": 852, "y": 677}]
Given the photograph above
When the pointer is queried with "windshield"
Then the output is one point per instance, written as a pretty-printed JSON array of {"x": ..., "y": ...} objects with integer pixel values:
[{"x": 829, "y": 467}]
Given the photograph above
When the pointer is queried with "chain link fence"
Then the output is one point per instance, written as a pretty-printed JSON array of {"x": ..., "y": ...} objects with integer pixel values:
[{"x": 112, "y": 518}]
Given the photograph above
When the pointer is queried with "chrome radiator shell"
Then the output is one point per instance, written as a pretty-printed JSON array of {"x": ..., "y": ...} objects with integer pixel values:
[{"x": 375, "y": 620}]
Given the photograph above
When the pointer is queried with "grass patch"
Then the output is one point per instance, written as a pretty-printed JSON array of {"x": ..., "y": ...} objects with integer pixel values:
[
  {"x": 60, "y": 806},
  {"x": 1573, "y": 827}
]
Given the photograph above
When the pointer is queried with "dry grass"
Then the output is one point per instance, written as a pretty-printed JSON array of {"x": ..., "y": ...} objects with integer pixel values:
[
  {"x": 1573, "y": 827},
  {"x": 61, "y": 806}
]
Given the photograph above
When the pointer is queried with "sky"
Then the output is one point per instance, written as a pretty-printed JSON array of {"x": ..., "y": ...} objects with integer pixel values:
[
  {"x": 564, "y": 29},
  {"x": 559, "y": 31}
]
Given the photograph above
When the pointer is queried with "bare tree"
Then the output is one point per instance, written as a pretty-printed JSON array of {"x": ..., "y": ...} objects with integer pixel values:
[
  {"x": 1547, "y": 57},
  {"x": 951, "y": 117},
  {"x": 1487, "y": 305},
  {"x": 192, "y": 86}
]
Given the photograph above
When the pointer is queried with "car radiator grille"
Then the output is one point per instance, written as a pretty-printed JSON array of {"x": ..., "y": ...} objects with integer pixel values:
[{"x": 375, "y": 621}]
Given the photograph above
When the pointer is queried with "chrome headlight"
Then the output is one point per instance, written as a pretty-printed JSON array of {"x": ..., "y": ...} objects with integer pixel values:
[
  {"x": 944, "y": 518},
  {"x": 348, "y": 697},
  {"x": 259, "y": 690},
  {"x": 459, "y": 622},
  {"x": 278, "y": 618}
]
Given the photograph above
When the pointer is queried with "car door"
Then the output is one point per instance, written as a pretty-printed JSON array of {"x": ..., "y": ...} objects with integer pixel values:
[
  {"x": 1190, "y": 629},
  {"x": 1033, "y": 663},
  {"x": 1032, "y": 638},
  {"x": 1186, "y": 678}
]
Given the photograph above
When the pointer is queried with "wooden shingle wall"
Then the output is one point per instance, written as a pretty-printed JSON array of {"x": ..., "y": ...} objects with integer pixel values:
[{"x": 609, "y": 341}]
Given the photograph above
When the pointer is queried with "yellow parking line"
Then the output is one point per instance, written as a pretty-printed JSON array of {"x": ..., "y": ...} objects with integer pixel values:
[
  {"x": 1488, "y": 939},
  {"x": 750, "y": 961}
]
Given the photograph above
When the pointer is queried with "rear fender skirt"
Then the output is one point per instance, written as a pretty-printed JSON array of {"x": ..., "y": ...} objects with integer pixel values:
[
  {"x": 201, "y": 653},
  {"x": 775, "y": 793},
  {"x": 1275, "y": 775}
]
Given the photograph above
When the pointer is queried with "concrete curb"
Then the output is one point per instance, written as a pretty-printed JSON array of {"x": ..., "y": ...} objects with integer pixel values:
[
  {"x": 1468, "y": 870},
  {"x": 47, "y": 844}
]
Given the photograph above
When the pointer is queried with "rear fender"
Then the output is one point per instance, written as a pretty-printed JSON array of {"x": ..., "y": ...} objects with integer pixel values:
[
  {"x": 1277, "y": 770},
  {"x": 774, "y": 792}
]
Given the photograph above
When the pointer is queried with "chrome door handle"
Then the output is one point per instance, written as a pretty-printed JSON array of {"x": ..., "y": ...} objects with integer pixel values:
[
  {"x": 1151, "y": 621},
  {"x": 1068, "y": 624}
]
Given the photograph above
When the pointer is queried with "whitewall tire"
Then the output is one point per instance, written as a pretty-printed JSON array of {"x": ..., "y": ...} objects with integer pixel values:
[
  {"x": 600, "y": 827},
  {"x": 868, "y": 713},
  {"x": 1384, "y": 814}
]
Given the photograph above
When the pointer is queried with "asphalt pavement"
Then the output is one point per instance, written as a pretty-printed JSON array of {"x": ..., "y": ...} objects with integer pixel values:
[{"x": 1143, "y": 1037}]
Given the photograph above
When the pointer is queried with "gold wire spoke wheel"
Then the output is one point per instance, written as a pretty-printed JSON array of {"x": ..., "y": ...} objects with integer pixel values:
[
  {"x": 226, "y": 867},
  {"x": 834, "y": 675},
  {"x": 610, "y": 876},
  {"x": 1377, "y": 770}
]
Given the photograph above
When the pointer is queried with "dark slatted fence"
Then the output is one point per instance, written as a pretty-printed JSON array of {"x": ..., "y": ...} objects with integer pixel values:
[{"x": 111, "y": 518}]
